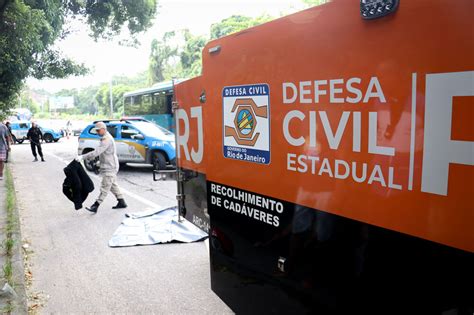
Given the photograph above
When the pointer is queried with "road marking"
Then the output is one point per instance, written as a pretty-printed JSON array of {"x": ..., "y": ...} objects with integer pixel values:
[{"x": 124, "y": 191}]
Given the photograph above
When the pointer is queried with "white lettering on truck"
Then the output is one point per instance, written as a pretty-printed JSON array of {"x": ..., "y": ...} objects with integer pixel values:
[
  {"x": 439, "y": 149},
  {"x": 183, "y": 135}
]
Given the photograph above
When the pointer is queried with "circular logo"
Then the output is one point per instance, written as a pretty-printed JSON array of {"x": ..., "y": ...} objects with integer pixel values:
[{"x": 245, "y": 121}]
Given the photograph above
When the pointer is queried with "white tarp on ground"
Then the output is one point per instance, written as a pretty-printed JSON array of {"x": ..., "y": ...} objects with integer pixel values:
[{"x": 154, "y": 227}]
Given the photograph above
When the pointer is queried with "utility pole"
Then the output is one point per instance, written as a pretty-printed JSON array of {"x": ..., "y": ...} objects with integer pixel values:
[{"x": 111, "y": 99}]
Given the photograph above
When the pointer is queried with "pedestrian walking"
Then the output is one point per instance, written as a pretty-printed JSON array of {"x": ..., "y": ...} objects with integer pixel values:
[
  {"x": 5, "y": 144},
  {"x": 68, "y": 128},
  {"x": 35, "y": 135},
  {"x": 109, "y": 166}
]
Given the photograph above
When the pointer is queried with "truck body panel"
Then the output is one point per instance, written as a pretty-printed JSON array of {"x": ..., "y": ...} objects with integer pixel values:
[{"x": 338, "y": 154}]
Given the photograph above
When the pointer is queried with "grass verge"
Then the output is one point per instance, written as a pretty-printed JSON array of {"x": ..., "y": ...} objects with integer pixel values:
[{"x": 10, "y": 229}]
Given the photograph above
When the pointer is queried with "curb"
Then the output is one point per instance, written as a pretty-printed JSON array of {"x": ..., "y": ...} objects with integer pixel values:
[{"x": 20, "y": 303}]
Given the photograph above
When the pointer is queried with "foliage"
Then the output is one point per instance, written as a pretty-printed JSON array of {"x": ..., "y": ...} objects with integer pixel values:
[
  {"x": 107, "y": 18},
  {"x": 163, "y": 65},
  {"x": 29, "y": 28},
  {"x": 161, "y": 53},
  {"x": 28, "y": 102},
  {"x": 190, "y": 55},
  {"x": 102, "y": 98},
  {"x": 236, "y": 23}
]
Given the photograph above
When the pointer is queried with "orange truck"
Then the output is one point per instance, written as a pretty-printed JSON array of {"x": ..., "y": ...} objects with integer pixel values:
[{"x": 330, "y": 154}]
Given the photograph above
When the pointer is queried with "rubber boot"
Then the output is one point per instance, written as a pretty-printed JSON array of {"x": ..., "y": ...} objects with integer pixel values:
[
  {"x": 94, "y": 207},
  {"x": 42, "y": 159},
  {"x": 121, "y": 204},
  {"x": 36, "y": 159}
]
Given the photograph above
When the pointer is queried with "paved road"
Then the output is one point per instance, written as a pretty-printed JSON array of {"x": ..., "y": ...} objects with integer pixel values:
[{"x": 71, "y": 262}]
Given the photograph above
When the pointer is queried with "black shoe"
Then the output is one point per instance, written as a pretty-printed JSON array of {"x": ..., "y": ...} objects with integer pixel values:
[
  {"x": 120, "y": 205},
  {"x": 36, "y": 159},
  {"x": 42, "y": 159},
  {"x": 94, "y": 207}
]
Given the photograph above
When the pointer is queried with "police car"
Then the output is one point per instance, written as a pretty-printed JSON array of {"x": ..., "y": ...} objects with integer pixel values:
[
  {"x": 137, "y": 141},
  {"x": 20, "y": 130}
]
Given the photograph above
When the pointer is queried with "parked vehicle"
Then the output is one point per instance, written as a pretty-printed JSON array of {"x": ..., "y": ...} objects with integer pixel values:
[
  {"x": 20, "y": 130},
  {"x": 51, "y": 134},
  {"x": 78, "y": 127},
  {"x": 137, "y": 141}
]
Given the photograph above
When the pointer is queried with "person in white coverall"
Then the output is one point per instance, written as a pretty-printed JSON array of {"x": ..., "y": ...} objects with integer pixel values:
[{"x": 109, "y": 166}]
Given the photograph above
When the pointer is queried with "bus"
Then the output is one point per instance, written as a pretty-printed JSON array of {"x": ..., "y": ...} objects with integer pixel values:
[{"x": 153, "y": 103}]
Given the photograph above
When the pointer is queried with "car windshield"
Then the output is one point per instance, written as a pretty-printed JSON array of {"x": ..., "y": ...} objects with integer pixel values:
[{"x": 151, "y": 129}]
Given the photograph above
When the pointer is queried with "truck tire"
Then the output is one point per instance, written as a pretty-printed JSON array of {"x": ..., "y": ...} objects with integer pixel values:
[
  {"x": 48, "y": 138},
  {"x": 159, "y": 161}
]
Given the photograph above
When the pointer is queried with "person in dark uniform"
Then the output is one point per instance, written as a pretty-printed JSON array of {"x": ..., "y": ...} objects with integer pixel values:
[
  {"x": 35, "y": 135},
  {"x": 9, "y": 127}
]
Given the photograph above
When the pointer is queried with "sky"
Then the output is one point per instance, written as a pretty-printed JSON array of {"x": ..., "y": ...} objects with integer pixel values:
[{"x": 108, "y": 58}]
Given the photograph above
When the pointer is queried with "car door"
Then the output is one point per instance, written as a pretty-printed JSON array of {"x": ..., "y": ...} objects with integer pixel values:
[
  {"x": 22, "y": 131},
  {"x": 114, "y": 132},
  {"x": 132, "y": 144}
]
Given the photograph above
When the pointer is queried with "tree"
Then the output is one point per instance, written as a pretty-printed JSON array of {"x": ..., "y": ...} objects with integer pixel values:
[
  {"x": 29, "y": 28},
  {"x": 102, "y": 98},
  {"x": 190, "y": 52},
  {"x": 190, "y": 55},
  {"x": 161, "y": 53},
  {"x": 168, "y": 61},
  {"x": 237, "y": 23},
  {"x": 27, "y": 101},
  {"x": 140, "y": 80},
  {"x": 161, "y": 65}
]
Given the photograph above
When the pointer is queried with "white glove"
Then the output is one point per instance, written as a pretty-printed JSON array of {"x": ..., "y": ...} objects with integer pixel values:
[{"x": 79, "y": 158}]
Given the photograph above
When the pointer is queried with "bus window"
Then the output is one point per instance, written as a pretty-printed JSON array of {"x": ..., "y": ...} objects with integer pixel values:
[
  {"x": 159, "y": 104},
  {"x": 153, "y": 103}
]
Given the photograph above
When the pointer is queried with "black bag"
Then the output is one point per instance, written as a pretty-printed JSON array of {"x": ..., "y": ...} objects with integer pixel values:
[{"x": 77, "y": 185}]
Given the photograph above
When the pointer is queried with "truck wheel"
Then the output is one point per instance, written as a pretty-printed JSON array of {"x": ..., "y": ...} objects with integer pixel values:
[
  {"x": 48, "y": 138},
  {"x": 159, "y": 161}
]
